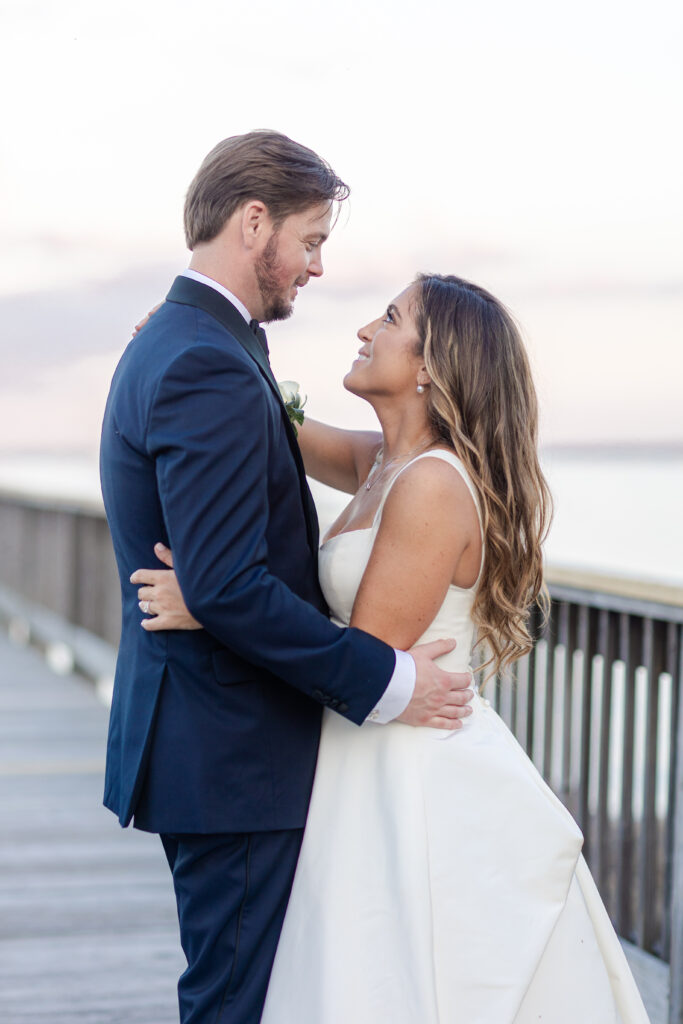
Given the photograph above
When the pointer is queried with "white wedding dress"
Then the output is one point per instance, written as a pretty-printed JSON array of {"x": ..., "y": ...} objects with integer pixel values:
[{"x": 440, "y": 880}]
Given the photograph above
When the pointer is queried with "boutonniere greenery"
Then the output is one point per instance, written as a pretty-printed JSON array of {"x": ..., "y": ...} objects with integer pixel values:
[{"x": 293, "y": 402}]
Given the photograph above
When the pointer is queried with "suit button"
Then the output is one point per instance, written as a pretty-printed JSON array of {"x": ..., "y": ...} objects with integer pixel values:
[
  {"x": 318, "y": 695},
  {"x": 342, "y": 708}
]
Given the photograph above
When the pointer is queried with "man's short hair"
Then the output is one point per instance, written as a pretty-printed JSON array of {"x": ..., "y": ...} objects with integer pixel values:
[{"x": 265, "y": 165}]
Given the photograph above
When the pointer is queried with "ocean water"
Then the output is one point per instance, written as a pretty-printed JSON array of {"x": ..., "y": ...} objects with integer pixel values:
[
  {"x": 614, "y": 513},
  {"x": 620, "y": 515}
]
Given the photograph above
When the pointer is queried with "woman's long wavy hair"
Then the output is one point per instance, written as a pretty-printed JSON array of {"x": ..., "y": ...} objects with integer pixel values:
[{"x": 482, "y": 403}]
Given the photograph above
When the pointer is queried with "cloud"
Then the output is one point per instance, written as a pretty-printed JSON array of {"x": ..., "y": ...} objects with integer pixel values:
[{"x": 52, "y": 328}]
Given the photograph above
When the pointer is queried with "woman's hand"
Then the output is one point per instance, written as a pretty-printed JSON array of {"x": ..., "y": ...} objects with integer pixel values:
[
  {"x": 160, "y": 596},
  {"x": 138, "y": 327}
]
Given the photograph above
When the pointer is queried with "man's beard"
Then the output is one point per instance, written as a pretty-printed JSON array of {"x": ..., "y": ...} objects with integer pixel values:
[{"x": 276, "y": 306}]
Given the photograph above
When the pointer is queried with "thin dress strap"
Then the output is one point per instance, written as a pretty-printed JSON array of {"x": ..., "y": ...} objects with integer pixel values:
[{"x": 452, "y": 459}]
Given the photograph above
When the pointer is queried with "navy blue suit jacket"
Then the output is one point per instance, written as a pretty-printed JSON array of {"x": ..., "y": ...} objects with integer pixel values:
[{"x": 217, "y": 730}]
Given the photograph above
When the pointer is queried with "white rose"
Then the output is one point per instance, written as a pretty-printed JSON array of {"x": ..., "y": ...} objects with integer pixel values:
[
  {"x": 289, "y": 389},
  {"x": 294, "y": 406}
]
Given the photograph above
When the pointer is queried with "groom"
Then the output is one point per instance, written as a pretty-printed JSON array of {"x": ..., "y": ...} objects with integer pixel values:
[{"x": 214, "y": 733}]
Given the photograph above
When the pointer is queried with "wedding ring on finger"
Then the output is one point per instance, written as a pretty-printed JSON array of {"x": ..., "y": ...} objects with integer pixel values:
[{"x": 144, "y": 607}]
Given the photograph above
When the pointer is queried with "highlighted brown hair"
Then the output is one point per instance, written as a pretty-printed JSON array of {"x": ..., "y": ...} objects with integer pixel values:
[
  {"x": 482, "y": 403},
  {"x": 265, "y": 165}
]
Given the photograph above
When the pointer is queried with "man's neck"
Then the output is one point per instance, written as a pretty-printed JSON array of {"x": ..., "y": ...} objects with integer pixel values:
[
  {"x": 226, "y": 273},
  {"x": 227, "y": 292}
]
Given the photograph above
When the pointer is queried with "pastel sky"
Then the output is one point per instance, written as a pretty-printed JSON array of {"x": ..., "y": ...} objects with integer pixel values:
[{"x": 534, "y": 147}]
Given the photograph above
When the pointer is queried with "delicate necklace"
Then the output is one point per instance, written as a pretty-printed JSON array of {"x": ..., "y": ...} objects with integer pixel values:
[{"x": 373, "y": 477}]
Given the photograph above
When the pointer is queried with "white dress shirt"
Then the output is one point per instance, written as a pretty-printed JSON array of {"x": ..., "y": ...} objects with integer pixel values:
[
  {"x": 399, "y": 692},
  {"x": 203, "y": 279}
]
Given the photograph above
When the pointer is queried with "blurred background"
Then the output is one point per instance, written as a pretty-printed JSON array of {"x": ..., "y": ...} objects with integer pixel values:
[{"x": 532, "y": 147}]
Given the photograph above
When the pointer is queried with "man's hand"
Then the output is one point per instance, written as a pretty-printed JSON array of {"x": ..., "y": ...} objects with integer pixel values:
[{"x": 440, "y": 699}]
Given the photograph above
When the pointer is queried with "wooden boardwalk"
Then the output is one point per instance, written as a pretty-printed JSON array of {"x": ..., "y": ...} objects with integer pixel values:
[{"x": 88, "y": 930}]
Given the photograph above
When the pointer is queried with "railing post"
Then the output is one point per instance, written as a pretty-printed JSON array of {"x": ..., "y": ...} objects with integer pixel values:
[
  {"x": 630, "y": 643},
  {"x": 676, "y": 960}
]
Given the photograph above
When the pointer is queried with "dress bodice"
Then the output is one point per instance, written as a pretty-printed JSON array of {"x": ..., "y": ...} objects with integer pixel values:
[{"x": 343, "y": 558}]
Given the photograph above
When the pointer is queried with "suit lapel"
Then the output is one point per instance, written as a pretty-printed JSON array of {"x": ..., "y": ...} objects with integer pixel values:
[{"x": 188, "y": 292}]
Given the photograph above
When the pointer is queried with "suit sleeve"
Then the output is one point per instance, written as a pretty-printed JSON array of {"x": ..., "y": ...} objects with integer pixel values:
[{"x": 208, "y": 435}]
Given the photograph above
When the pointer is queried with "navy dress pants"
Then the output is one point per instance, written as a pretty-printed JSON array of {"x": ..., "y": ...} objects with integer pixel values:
[{"x": 232, "y": 892}]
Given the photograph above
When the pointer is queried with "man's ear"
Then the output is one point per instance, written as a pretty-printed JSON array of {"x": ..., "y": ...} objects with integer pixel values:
[{"x": 255, "y": 223}]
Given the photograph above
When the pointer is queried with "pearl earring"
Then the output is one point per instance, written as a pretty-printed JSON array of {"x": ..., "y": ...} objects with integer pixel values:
[{"x": 420, "y": 389}]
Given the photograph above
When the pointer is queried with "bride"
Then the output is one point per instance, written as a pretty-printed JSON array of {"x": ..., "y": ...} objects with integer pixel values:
[{"x": 440, "y": 880}]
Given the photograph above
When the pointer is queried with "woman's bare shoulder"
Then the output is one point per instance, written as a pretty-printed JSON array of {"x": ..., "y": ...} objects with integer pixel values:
[{"x": 430, "y": 478}]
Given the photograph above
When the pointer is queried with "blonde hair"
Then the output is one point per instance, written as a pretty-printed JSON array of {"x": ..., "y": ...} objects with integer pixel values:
[{"x": 482, "y": 403}]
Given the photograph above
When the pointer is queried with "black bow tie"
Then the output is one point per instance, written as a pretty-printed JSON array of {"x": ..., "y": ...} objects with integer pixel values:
[{"x": 260, "y": 334}]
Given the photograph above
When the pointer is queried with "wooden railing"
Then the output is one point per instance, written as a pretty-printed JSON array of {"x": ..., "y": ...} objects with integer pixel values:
[
  {"x": 597, "y": 706},
  {"x": 58, "y": 554}
]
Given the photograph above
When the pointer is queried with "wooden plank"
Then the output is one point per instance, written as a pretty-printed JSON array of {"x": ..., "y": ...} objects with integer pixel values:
[
  {"x": 521, "y": 700},
  {"x": 91, "y": 656},
  {"x": 587, "y": 638},
  {"x": 607, "y": 650},
  {"x": 557, "y": 684},
  {"x": 549, "y": 691},
  {"x": 652, "y": 978},
  {"x": 25, "y": 498},
  {"x": 567, "y": 636},
  {"x": 88, "y": 929},
  {"x": 673, "y": 656},
  {"x": 534, "y": 630},
  {"x": 618, "y": 586},
  {"x": 646, "y": 929},
  {"x": 676, "y": 1008},
  {"x": 630, "y": 643},
  {"x": 505, "y": 690},
  {"x": 61, "y": 556}
]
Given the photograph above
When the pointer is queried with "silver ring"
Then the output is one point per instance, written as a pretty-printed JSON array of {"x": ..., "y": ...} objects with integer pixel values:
[{"x": 145, "y": 607}]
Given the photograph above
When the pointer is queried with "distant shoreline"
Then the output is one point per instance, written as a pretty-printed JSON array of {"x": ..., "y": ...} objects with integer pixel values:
[{"x": 627, "y": 449}]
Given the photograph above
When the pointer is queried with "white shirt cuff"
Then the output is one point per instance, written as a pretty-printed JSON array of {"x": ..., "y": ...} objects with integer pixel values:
[{"x": 398, "y": 693}]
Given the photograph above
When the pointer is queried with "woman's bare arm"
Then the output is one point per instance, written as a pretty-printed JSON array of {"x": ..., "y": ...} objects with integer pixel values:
[
  {"x": 428, "y": 538},
  {"x": 336, "y": 457}
]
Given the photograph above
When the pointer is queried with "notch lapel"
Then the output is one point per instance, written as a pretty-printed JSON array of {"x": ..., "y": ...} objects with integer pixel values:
[{"x": 188, "y": 292}]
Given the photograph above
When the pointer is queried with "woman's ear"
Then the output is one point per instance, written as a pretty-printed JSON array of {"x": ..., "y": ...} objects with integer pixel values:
[{"x": 423, "y": 378}]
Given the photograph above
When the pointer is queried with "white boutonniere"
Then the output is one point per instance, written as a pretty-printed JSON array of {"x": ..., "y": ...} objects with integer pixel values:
[{"x": 294, "y": 403}]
